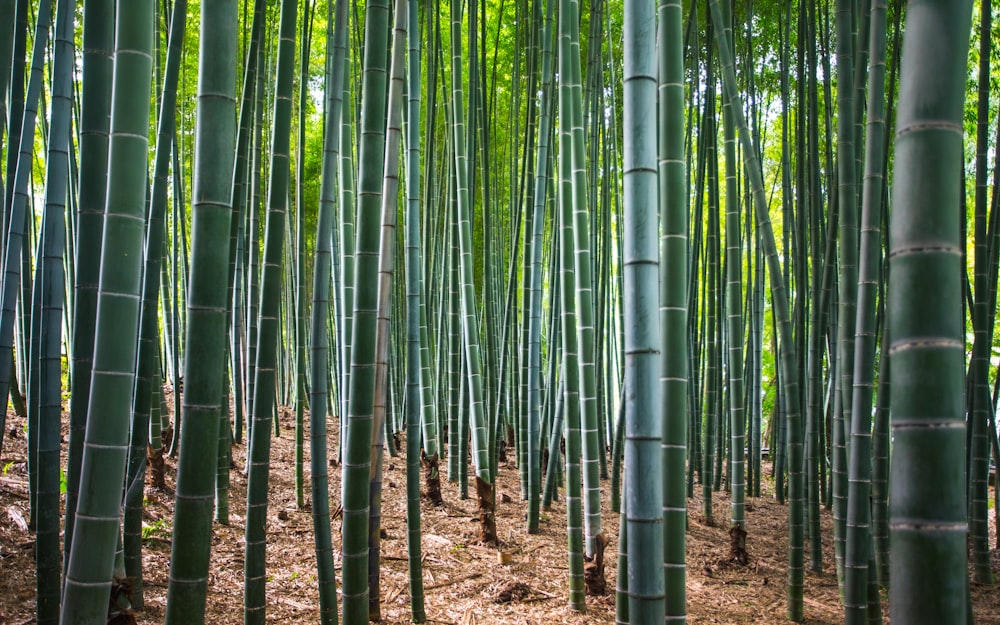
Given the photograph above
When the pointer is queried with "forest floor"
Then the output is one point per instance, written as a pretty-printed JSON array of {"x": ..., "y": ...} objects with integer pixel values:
[{"x": 464, "y": 581}]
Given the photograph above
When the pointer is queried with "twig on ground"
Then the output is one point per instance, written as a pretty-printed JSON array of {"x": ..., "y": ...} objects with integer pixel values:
[{"x": 452, "y": 582}]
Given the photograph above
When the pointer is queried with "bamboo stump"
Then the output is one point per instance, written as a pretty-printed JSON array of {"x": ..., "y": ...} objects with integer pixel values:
[
  {"x": 487, "y": 507},
  {"x": 156, "y": 467},
  {"x": 593, "y": 568},
  {"x": 432, "y": 478}
]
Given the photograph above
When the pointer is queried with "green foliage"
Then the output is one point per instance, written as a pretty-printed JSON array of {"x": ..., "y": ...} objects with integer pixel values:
[{"x": 158, "y": 530}]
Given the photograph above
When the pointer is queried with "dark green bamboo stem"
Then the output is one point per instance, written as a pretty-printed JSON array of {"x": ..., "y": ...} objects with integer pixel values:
[
  {"x": 858, "y": 533},
  {"x": 95, "y": 533},
  {"x": 319, "y": 399},
  {"x": 983, "y": 320},
  {"x": 358, "y": 440},
  {"x": 673, "y": 254},
  {"x": 48, "y": 321},
  {"x": 927, "y": 510},
  {"x": 148, "y": 329},
  {"x": 258, "y": 455},
  {"x": 205, "y": 357},
  {"x": 644, "y": 488}
]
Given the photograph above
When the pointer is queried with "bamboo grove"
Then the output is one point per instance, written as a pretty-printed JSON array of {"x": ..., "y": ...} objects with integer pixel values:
[{"x": 635, "y": 246}]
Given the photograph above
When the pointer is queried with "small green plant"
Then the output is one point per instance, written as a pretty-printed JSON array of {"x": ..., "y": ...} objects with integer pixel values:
[
  {"x": 457, "y": 547},
  {"x": 7, "y": 467},
  {"x": 62, "y": 481},
  {"x": 157, "y": 530}
]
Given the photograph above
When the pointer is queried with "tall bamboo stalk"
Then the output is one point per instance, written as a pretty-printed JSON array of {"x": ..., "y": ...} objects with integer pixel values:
[
  {"x": 848, "y": 276},
  {"x": 358, "y": 439},
  {"x": 643, "y": 427},
  {"x": 983, "y": 320},
  {"x": 319, "y": 398},
  {"x": 148, "y": 326},
  {"x": 16, "y": 211},
  {"x": 534, "y": 279},
  {"x": 386, "y": 269},
  {"x": 734, "y": 314},
  {"x": 258, "y": 454},
  {"x": 204, "y": 362},
  {"x": 927, "y": 511},
  {"x": 95, "y": 115},
  {"x": 858, "y": 545},
  {"x": 675, "y": 338},
  {"x": 415, "y": 389},
  {"x": 50, "y": 281},
  {"x": 478, "y": 421},
  {"x": 91, "y": 559}
]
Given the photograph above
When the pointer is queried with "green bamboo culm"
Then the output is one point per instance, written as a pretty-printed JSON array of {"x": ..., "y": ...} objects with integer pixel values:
[
  {"x": 16, "y": 207},
  {"x": 734, "y": 317},
  {"x": 238, "y": 261},
  {"x": 713, "y": 367},
  {"x": 643, "y": 423},
  {"x": 571, "y": 109},
  {"x": 674, "y": 358},
  {"x": 252, "y": 235},
  {"x": 570, "y": 369},
  {"x": 430, "y": 424},
  {"x": 319, "y": 399},
  {"x": 95, "y": 116},
  {"x": 621, "y": 590},
  {"x": 534, "y": 364},
  {"x": 515, "y": 341},
  {"x": 381, "y": 421},
  {"x": 95, "y": 534},
  {"x": 7, "y": 20},
  {"x": 204, "y": 359},
  {"x": 414, "y": 285},
  {"x": 477, "y": 414},
  {"x": 267, "y": 325},
  {"x": 927, "y": 510},
  {"x": 148, "y": 357},
  {"x": 48, "y": 325},
  {"x": 13, "y": 41},
  {"x": 23, "y": 109},
  {"x": 348, "y": 235},
  {"x": 552, "y": 473},
  {"x": 983, "y": 321},
  {"x": 817, "y": 314},
  {"x": 858, "y": 536},
  {"x": 454, "y": 342},
  {"x": 880, "y": 464},
  {"x": 358, "y": 438},
  {"x": 848, "y": 274},
  {"x": 299, "y": 265}
]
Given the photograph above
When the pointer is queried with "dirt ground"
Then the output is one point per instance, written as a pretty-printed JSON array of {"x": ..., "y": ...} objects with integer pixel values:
[{"x": 462, "y": 579}]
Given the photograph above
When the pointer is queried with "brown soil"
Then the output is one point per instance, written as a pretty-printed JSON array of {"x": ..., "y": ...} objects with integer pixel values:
[{"x": 465, "y": 582}]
